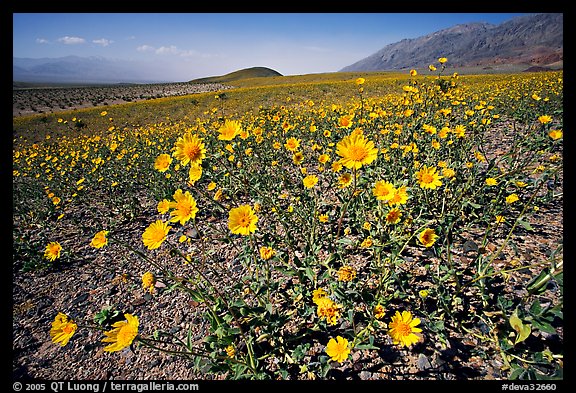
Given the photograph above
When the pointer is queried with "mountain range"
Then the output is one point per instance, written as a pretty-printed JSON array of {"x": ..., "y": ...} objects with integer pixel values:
[
  {"x": 535, "y": 39},
  {"x": 93, "y": 69}
]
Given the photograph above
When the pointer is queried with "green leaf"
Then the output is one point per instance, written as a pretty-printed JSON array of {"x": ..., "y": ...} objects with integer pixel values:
[
  {"x": 526, "y": 225},
  {"x": 543, "y": 326},
  {"x": 522, "y": 330}
]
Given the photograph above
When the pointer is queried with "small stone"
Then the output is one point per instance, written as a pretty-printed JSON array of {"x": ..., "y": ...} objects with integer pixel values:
[
  {"x": 365, "y": 375},
  {"x": 423, "y": 363}
]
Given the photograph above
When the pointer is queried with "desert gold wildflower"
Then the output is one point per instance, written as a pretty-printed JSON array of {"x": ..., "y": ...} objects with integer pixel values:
[
  {"x": 555, "y": 134},
  {"x": 338, "y": 349},
  {"x": 52, "y": 251},
  {"x": 491, "y": 181},
  {"x": 399, "y": 197},
  {"x": 266, "y": 252},
  {"x": 393, "y": 216},
  {"x": 229, "y": 130},
  {"x": 162, "y": 162},
  {"x": 310, "y": 181},
  {"x": 356, "y": 151},
  {"x": 189, "y": 149},
  {"x": 148, "y": 281},
  {"x": 155, "y": 234},
  {"x": 230, "y": 351},
  {"x": 442, "y": 60},
  {"x": 383, "y": 190},
  {"x": 242, "y": 220},
  {"x": 511, "y": 198},
  {"x": 403, "y": 328},
  {"x": 323, "y": 218},
  {"x": 346, "y": 273},
  {"x": 317, "y": 294},
  {"x": 184, "y": 206},
  {"x": 544, "y": 119},
  {"x": 292, "y": 144},
  {"x": 163, "y": 206},
  {"x": 194, "y": 174},
  {"x": 428, "y": 178},
  {"x": 328, "y": 309},
  {"x": 99, "y": 240},
  {"x": 379, "y": 311},
  {"x": 122, "y": 335},
  {"x": 360, "y": 81},
  {"x": 344, "y": 180},
  {"x": 368, "y": 242},
  {"x": 428, "y": 237},
  {"x": 63, "y": 328}
]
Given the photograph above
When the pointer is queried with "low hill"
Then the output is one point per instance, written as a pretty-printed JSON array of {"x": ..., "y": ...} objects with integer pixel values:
[{"x": 246, "y": 73}]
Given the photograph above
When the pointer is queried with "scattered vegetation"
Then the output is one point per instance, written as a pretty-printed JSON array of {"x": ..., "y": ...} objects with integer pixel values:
[{"x": 361, "y": 216}]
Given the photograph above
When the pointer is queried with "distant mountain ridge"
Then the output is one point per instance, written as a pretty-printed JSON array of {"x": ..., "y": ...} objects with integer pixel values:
[
  {"x": 252, "y": 72},
  {"x": 535, "y": 39},
  {"x": 93, "y": 69}
]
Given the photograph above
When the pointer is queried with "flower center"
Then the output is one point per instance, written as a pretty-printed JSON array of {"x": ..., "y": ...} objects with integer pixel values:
[
  {"x": 192, "y": 151},
  {"x": 357, "y": 153},
  {"x": 427, "y": 178},
  {"x": 403, "y": 329}
]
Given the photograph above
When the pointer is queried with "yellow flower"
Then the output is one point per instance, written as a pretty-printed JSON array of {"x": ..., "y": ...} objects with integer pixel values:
[
  {"x": 344, "y": 180},
  {"x": 318, "y": 294},
  {"x": 323, "y": 218},
  {"x": 336, "y": 166},
  {"x": 393, "y": 216},
  {"x": 242, "y": 220},
  {"x": 148, "y": 281},
  {"x": 442, "y": 60},
  {"x": 511, "y": 198},
  {"x": 500, "y": 219},
  {"x": 266, "y": 252},
  {"x": 122, "y": 335},
  {"x": 368, "y": 242},
  {"x": 163, "y": 206},
  {"x": 52, "y": 251},
  {"x": 491, "y": 181},
  {"x": 383, "y": 190},
  {"x": 413, "y": 72},
  {"x": 63, "y": 328},
  {"x": 155, "y": 234},
  {"x": 310, "y": 181},
  {"x": 292, "y": 144},
  {"x": 428, "y": 237},
  {"x": 345, "y": 121},
  {"x": 328, "y": 309},
  {"x": 229, "y": 130},
  {"x": 399, "y": 197},
  {"x": 346, "y": 273},
  {"x": 431, "y": 67},
  {"x": 189, "y": 149},
  {"x": 99, "y": 240},
  {"x": 323, "y": 158},
  {"x": 162, "y": 162},
  {"x": 211, "y": 186},
  {"x": 360, "y": 81},
  {"x": 338, "y": 349},
  {"x": 379, "y": 311},
  {"x": 544, "y": 119},
  {"x": 297, "y": 158},
  {"x": 356, "y": 151},
  {"x": 230, "y": 351},
  {"x": 194, "y": 174},
  {"x": 403, "y": 328},
  {"x": 555, "y": 134},
  {"x": 428, "y": 178},
  {"x": 448, "y": 173},
  {"x": 184, "y": 206}
]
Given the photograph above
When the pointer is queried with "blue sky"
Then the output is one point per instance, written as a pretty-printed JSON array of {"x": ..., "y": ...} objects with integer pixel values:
[{"x": 193, "y": 45}]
